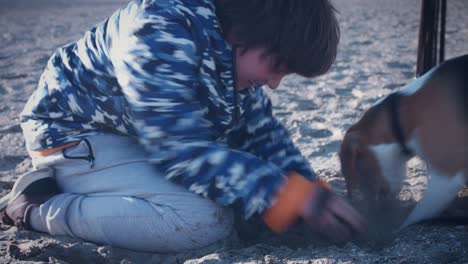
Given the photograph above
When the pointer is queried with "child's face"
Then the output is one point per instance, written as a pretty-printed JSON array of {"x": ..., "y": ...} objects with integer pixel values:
[{"x": 254, "y": 68}]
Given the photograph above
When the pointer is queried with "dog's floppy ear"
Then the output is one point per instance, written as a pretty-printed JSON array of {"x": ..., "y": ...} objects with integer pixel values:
[{"x": 349, "y": 151}]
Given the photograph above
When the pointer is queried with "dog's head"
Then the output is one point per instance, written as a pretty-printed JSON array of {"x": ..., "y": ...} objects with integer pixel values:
[{"x": 373, "y": 172}]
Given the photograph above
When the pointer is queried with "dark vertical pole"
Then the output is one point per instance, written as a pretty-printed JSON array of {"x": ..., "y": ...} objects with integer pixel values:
[
  {"x": 425, "y": 43},
  {"x": 443, "y": 14},
  {"x": 434, "y": 34},
  {"x": 431, "y": 42}
]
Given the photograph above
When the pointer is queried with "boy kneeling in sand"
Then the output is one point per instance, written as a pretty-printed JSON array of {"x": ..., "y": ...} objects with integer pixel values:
[{"x": 149, "y": 130}]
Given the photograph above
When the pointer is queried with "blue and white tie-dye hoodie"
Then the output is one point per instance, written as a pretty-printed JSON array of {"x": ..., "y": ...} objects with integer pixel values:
[{"x": 161, "y": 71}]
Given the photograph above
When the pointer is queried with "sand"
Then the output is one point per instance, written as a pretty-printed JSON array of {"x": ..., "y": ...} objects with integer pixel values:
[{"x": 377, "y": 55}]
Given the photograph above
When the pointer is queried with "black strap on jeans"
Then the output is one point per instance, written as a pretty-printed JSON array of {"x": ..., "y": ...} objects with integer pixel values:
[{"x": 90, "y": 157}]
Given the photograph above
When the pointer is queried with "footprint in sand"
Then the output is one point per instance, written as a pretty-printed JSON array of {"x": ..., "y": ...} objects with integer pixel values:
[
  {"x": 12, "y": 76},
  {"x": 360, "y": 43},
  {"x": 307, "y": 82},
  {"x": 398, "y": 65},
  {"x": 10, "y": 162},
  {"x": 345, "y": 90},
  {"x": 318, "y": 119},
  {"x": 41, "y": 59},
  {"x": 5, "y": 56},
  {"x": 10, "y": 129},
  {"x": 326, "y": 149},
  {"x": 4, "y": 186},
  {"x": 315, "y": 133},
  {"x": 283, "y": 113},
  {"x": 408, "y": 74},
  {"x": 76, "y": 253},
  {"x": 3, "y": 90},
  {"x": 305, "y": 105},
  {"x": 337, "y": 76}
]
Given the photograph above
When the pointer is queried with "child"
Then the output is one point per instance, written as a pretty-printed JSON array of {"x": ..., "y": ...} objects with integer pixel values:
[{"x": 149, "y": 130}]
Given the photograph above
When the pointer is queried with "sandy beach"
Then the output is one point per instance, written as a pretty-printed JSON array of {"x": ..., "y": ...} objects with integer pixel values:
[{"x": 377, "y": 55}]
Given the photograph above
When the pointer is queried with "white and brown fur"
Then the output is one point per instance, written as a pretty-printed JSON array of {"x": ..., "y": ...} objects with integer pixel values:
[{"x": 432, "y": 115}]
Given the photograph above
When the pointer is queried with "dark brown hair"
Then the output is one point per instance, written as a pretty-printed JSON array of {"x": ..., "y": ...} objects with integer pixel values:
[{"x": 303, "y": 35}]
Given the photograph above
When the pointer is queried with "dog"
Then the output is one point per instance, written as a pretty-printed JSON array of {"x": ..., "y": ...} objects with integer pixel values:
[{"x": 427, "y": 118}]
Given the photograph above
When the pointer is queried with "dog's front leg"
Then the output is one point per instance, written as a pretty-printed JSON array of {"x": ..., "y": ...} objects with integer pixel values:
[{"x": 441, "y": 190}]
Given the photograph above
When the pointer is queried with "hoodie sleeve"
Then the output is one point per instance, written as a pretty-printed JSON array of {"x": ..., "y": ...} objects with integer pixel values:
[
  {"x": 157, "y": 66},
  {"x": 265, "y": 137}
]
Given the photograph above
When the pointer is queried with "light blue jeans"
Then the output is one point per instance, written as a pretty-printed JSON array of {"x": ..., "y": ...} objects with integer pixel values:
[{"x": 122, "y": 201}]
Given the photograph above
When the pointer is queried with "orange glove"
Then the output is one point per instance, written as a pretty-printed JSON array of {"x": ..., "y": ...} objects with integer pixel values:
[{"x": 316, "y": 203}]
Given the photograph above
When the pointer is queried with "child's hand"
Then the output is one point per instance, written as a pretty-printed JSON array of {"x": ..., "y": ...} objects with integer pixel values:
[{"x": 331, "y": 216}]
